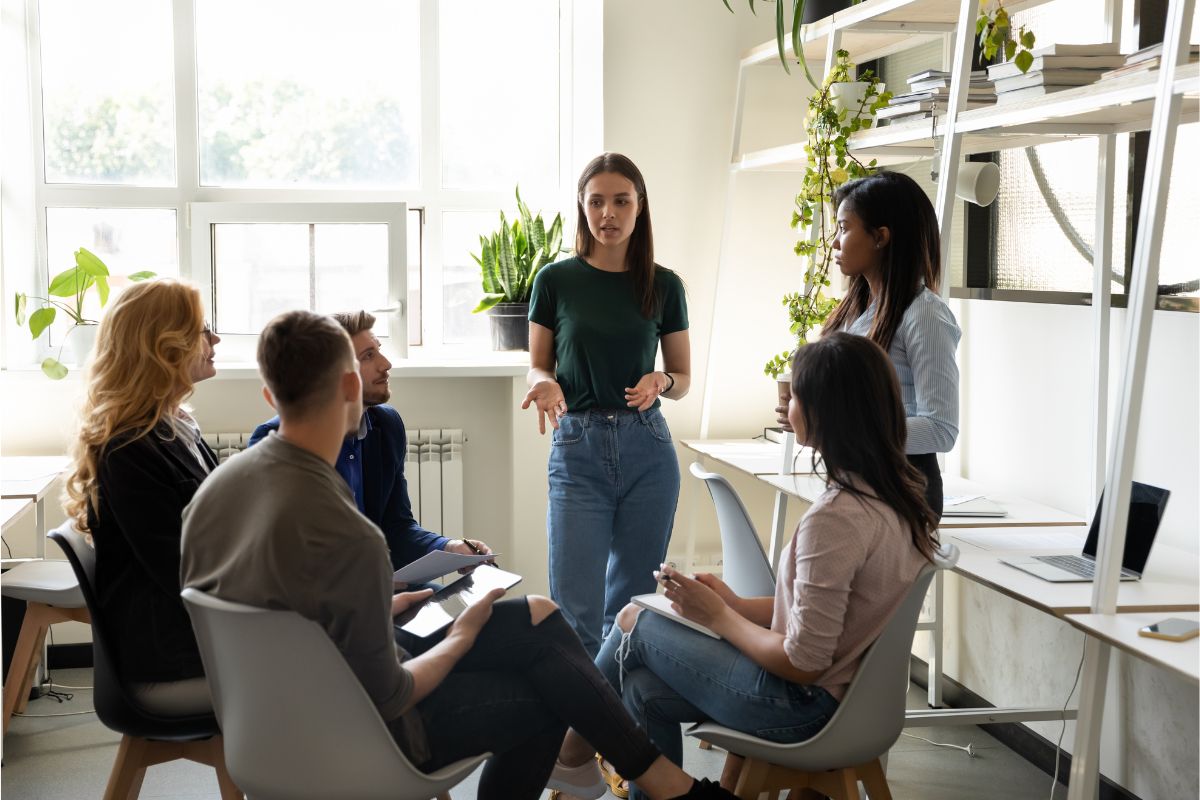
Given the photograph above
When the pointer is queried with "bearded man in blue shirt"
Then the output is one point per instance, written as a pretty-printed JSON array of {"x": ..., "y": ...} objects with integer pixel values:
[{"x": 372, "y": 459}]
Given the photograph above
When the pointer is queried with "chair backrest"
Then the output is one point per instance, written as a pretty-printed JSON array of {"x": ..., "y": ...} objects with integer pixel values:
[
  {"x": 745, "y": 568},
  {"x": 114, "y": 705},
  {"x": 297, "y": 722},
  {"x": 871, "y": 715}
]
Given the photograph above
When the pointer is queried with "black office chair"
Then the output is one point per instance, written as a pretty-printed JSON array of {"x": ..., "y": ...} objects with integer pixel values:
[{"x": 146, "y": 738}]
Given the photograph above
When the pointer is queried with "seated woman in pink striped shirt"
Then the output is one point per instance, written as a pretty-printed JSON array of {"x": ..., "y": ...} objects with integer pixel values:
[{"x": 784, "y": 662}]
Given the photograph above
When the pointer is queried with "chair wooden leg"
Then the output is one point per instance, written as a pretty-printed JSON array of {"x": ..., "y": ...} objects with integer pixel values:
[
  {"x": 26, "y": 655},
  {"x": 874, "y": 780},
  {"x": 229, "y": 789},
  {"x": 705, "y": 745},
  {"x": 125, "y": 780},
  {"x": 848, "y": 784},
  {"x": 752, "y": 778},
  {"x": 733, "y": 768}
]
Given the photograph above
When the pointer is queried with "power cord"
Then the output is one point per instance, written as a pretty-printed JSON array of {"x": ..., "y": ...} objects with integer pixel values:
[
  {"x": 1061, "y": 733},
  {"x": 7, "y": 549},
  {"x": 967, "y": 748}
]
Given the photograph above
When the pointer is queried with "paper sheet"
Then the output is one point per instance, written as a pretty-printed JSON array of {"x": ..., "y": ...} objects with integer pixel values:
[
  {"x": 435, "y": 565},
  {"x": 1016, "y": 540}
]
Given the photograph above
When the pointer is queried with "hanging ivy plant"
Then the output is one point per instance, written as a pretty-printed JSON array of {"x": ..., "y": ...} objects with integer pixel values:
[
  {"x": 994, "y": 30},
  {"x": 829, "y": 125}
]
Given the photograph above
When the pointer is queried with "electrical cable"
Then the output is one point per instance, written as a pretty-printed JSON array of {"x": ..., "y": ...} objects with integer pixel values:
[
  {"x": 967, "y": 748},
  {"x": 1061, "y": 733},
  {"x": 7, "y": 549}
]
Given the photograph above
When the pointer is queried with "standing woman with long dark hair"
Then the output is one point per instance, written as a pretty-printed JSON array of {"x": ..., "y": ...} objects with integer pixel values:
[
  {"x": 889, "y": 245},
  {"x": 595, "y": 324}
]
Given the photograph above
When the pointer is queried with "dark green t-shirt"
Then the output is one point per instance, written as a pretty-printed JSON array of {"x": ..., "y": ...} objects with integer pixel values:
[{"x": 602, "y": 343}]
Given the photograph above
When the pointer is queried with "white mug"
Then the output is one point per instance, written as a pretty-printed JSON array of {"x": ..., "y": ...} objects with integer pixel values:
[{"x": 978, "y": 182}]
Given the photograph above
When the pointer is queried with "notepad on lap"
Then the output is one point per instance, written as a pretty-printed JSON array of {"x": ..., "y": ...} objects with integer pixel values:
[{"x": 659, "y": 604}]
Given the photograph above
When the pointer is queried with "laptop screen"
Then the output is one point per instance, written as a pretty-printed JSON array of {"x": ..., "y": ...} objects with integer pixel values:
[{"x": 1146, "y": 507}]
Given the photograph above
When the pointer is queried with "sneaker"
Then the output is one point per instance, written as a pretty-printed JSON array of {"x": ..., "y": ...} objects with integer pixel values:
[{"x": 584, "y": 782}]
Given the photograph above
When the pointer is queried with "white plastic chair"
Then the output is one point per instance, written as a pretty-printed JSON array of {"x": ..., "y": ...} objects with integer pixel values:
[
  {"x": 298, "y": 725},
  {"x": 865, "y": 726},
  {"x": 745, "y": 566}
]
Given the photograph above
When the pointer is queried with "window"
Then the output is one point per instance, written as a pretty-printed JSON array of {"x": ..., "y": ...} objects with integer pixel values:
[{"x": 249, "y": 146}]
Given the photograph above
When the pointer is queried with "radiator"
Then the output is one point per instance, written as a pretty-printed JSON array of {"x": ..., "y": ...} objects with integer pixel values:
[{"x": 433, "y": 466}]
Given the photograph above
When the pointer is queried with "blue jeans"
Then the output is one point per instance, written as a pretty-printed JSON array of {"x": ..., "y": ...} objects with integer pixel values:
[
  {"x": 614, "y": 486},
  {"x": 672, "y": 674}
]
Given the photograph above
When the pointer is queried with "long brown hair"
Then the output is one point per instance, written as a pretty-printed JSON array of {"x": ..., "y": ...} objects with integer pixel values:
[
  {"x": 849, "y": 399},
  {"x": 140, "y": 374},
  {"x": 639, "y": 258},
  {"x": 911, "y": 258}
]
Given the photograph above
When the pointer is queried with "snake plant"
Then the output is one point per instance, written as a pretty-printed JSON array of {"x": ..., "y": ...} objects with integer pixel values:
[{"x": 512, "y": 256}]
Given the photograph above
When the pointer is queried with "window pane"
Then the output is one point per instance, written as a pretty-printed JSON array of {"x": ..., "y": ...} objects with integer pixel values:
[
  {"x": 264, "y": 269},
  {"x": 461, "y": 284},
  {"x": 127, "y": 240},
  {"x": 107, "y": 89},
  {"x": 308, "y": 93},
  {"x": 499, "y": 94},
  {"x": 1178, "y": 262}
]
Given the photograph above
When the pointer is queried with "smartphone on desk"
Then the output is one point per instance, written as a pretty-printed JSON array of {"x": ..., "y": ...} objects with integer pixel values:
[
  {"x": 448, "y": 602},
  {"x": 1172, "y": 629}
]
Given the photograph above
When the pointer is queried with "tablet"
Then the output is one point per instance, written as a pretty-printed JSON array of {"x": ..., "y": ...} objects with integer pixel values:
[{"x": 444, "y": 607}]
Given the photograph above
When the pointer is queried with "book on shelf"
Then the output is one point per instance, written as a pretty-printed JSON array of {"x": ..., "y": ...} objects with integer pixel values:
[
  {"x": 933, "y": 106},
  {"x": 1028, "y": 93},
  {"x": 1048, "y": 77},
  {"x": 1009, "y": 70},
  {"x": 1145, "y": 62},
  {"x": 904, "y": 119},
  {"x": 980, "y": 94},
  {"x": 1094, "y": 49}
]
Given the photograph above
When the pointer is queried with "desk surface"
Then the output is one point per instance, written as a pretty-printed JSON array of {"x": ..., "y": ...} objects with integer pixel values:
[
  {"x": 1121, "y": 630},
  {"x": 1021, "y": 512},
  {"x": 30, "y": 476},
  {"x": 12, "y": 510},
  {"x": 1171, "y": 582},
  {"x": 752, "y": 456}
]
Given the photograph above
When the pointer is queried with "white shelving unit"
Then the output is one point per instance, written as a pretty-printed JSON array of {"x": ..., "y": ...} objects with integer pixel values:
[{"x": 1156, "y": 101}]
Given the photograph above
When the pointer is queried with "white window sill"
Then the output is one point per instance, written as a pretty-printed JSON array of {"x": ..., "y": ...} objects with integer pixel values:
[{"x": 484, "y": 365}]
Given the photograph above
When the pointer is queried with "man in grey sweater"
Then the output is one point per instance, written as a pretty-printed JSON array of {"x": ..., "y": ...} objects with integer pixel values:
[{"x": 278, "y": 527}]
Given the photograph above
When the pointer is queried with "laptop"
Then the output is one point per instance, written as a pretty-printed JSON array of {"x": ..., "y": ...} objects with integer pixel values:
[{"x": 1146, "y": 507}]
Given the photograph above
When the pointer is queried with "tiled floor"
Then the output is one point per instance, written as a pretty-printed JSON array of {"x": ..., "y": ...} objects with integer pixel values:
[{"x": 69, "y": 757}]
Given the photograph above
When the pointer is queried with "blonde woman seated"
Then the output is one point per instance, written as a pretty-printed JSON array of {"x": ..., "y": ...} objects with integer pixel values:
[{"x": 138, "y": 459}]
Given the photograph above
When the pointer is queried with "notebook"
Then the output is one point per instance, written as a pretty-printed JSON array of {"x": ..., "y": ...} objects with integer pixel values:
[
  {"x": 444, "y": 607},
  {"x": 659, "y": 604},
  {"x": 971, "y": 506}
]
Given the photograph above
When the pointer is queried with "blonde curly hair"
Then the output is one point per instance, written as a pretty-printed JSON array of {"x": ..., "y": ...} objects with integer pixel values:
[{"x": 141, "y": 372}]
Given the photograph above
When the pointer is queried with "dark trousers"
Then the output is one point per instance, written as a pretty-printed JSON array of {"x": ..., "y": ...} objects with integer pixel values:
[
  {"x": 515, "y": 694},
  {"x": 928, "y": 464}
]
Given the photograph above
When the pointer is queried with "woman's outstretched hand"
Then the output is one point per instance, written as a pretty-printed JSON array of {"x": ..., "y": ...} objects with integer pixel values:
[
  {"x": 548, "y": 397},
  {"x": 646, "y": 392}
]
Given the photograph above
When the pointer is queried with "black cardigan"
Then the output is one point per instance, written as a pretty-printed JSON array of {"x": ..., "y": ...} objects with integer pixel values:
[{"x": 144, "y": 484}]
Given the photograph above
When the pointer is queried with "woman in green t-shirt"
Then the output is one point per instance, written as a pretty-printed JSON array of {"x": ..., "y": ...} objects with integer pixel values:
[{"x": 595, "y": 324}]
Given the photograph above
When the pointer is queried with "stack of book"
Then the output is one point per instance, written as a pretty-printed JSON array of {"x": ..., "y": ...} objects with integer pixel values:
[
  {"x": 1054, "y": 68},
  {"x": 929, "y": 95},
  {"x": 1147, "y": 58}
]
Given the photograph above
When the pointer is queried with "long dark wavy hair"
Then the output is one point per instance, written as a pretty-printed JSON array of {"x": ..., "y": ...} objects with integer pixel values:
[
  {"x": 639, "y": 258},
  {"x": 912, "y": 257},
  {"x": 849, "y": 399}
]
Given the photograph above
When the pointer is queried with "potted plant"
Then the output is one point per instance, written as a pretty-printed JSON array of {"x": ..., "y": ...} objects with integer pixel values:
[
  {"x": 803, "y": 12},
  {"x": 833, "y": 117},
  {"x": 509, "y": 260},
  {"x": 71, "y": 285}
]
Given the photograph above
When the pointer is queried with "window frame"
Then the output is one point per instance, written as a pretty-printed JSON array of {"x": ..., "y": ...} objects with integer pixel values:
[
  {"x": 36, "y": 195},
  {"x": 201, "y": 269}
]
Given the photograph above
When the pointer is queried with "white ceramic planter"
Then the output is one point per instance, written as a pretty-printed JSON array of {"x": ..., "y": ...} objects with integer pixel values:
[{"x": 78, "y": 343}]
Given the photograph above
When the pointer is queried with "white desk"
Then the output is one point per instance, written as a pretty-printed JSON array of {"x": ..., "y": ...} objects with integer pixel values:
[
  {"x": 13, "y": 511},
  {"x": 31, "y": 478},
  {"x": 1121, "y": 631},
  {"x": 752, "y": 456}
]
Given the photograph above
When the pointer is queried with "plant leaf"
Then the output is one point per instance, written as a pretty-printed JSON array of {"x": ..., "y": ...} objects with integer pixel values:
[
  {"x": 143, "y": 275},
  {"x": 53, "y": 369},
  {"x": 1010, "y": 50},
  {"x": 68, "y": 283},
  {"x": 1027, "y": 39},
  {"x": 1024, "y": 60},
  {"x": 102, "y": 289},
  {"x": 87, "y": 261},
  {"x": 22, "y": 302},
  {"x": 505, "y": 258},
  {"x": 487, "y": 302},
  {"x": 726, "y": 2},
  {"x": 41, "y": 319},
  {"x": 780, "y": 35}
]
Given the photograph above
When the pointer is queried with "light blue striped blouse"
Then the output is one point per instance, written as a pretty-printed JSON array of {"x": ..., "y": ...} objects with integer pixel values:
[{"x": 923, "y": 353}]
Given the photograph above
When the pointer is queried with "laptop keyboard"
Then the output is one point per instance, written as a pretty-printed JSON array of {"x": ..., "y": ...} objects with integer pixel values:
[{"x": 1076, "y": 565}]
